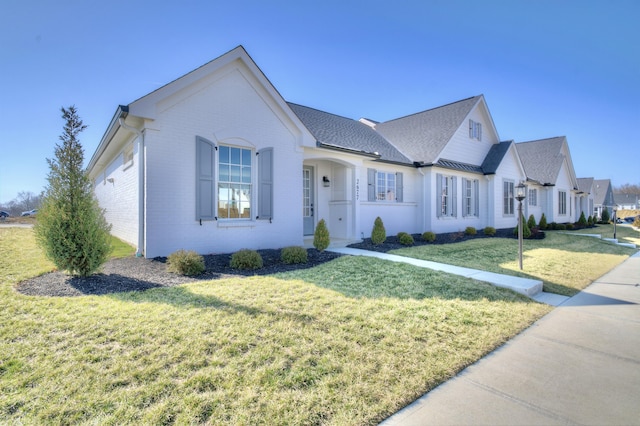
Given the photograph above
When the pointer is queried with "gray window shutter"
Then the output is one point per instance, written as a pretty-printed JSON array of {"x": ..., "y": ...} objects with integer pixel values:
[
  {"x": 399, "y": 187},
  {"x": 454, "y": 197},
  {"x": 371, "y": 184},
  {"x": 476, "y": 197},
  {"x": 265, "y": 183},
  {"x": 205, "y": 179},
  {"x": 438, "y": 195},
  {"x": 464, "y": 197}
]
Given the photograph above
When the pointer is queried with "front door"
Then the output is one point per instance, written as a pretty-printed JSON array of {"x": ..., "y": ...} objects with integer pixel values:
[{"x": 307, "y": 200}]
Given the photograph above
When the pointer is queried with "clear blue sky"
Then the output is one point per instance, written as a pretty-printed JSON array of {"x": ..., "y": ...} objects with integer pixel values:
[{"x": 547, "y": 68}]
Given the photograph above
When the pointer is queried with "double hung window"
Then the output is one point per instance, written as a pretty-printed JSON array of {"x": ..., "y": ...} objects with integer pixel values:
[{"x": 508, "y": 202}]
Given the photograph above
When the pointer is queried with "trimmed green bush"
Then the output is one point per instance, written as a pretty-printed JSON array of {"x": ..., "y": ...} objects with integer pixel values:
[
  {"x": 378, "y": 234},
  {"x": 605, "y": 216},
  {"x": 553, "y": 226},
  {"x": 185, "y": 262},
  {"x": 543, "y": 222},
  {"x": 470, "y": 230},
  {"x": 531, "y": 223},
  {"x": 569, "y": 226},
  {"x": 590, "y": 221},
  {"x": 490, "y": 231},
  {"x": 561, "y": 227},
  {"x": 429, "y": 236},
  {"x": 583, "y": 220},
  {"x": 321, "y": 237},
  {"x": 246, "y": 259},
  {"x": 526, "y": 231},
  {"x": 405, "y": 239},
  {"x": 294, "y": 254}
]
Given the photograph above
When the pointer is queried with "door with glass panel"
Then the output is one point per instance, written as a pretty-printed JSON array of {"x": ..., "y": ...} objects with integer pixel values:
[{"x": 307, "y": 200}]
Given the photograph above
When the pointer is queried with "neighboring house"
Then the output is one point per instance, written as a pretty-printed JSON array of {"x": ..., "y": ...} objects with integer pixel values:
[
  {"x": 551, "y": 181},
  {"x": 602, "y": 197},
  {"x": 585, "y": 197},
  {"x": 216, "y": 161},
  {"x": 625, "y": 201}
]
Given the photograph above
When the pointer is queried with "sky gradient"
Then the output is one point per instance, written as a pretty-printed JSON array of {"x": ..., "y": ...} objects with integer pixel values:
[{"x": 546, "y": 68}]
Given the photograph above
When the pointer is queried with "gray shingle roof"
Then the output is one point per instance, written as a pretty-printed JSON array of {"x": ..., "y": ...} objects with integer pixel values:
[
  {"x": 585, "y": 185},
  {"x": 601, "y": 188},
  {"x": 424, "y": 135},
  {"x": 346, "y": 133},
  {"x": 494, "y": 157},
  {"x": 456, "y": 165},
  {"x": 542, "y": 159}
]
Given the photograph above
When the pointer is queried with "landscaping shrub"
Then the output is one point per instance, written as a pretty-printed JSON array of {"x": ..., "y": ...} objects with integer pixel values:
[
  {"x": 470, "y": 230},
  {"x": 429, "y": 236},
  {"x": 378, "y": 234},
  {"x": 185, "y": 262},
  {"x": 569, "y": 226},
  {"x": 605, "y": 216},
  {"x": 526, "y": 231},
  {"x": 531, "y": 223},
  {"x": 321, "y": 237},
  {"x": 71, "y": 228},
  {"x": 246, "y": 259},
  {"x": 294, "y": 254},
  {"x": 405, "y": 239},
  {"x": 490, "y": 231},
  {"x": 590, "y": 221},
  {"x": 553, "y": 226},
  {"x": 583, "y": 220},
  {"x": 543, "y": 222}
]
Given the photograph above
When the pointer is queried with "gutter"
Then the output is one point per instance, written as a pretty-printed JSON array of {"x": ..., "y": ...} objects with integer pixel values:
[
  {"x": 141, "y": 213},
  {"x": 121, "y": 112}
]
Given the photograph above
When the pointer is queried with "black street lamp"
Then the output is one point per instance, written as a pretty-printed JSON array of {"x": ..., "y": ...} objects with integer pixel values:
[{"x": 521, "y": 193}]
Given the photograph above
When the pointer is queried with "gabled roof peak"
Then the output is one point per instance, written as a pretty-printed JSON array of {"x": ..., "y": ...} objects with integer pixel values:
[{"x": 436, "y": 108}]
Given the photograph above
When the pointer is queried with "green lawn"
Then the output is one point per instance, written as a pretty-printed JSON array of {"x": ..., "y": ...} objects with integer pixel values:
[
  {"x": 348, "y": 342},
  {"x": 565, "y": 263}
]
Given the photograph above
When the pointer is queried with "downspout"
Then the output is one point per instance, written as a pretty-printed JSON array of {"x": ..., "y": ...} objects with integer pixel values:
[{"x": 140, "y": 134}]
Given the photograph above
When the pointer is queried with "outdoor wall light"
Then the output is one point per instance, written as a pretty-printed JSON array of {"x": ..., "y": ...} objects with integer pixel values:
[
  {"x": 326, "y": 182},
  {"x": 110, "y": 180}
]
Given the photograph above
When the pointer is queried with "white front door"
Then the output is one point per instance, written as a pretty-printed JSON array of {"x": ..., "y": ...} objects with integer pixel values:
[{"x": 307, "y": 200}]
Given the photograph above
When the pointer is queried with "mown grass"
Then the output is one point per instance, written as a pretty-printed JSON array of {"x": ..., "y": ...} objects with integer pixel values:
[
  {"x": 565, "y": 263},
  {"x": 348, "y": 342},
  {"x": 120, "y": 249},
  {"x": 624, "y": 233}
]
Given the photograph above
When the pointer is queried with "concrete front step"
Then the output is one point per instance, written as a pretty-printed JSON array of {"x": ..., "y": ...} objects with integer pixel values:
[{"x": 527, "y": 286}]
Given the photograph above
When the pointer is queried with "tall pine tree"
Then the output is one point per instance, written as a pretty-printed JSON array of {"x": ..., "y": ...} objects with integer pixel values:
[{"x": 71, "y": 228}]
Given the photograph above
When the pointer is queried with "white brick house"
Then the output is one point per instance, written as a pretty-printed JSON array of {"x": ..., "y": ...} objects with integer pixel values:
[{"x": 216, "y": 161}]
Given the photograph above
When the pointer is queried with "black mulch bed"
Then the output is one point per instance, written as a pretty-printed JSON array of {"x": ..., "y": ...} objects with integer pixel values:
[
  {"x": 139, "y": 274},
  {"x": 391, "y": 243}
]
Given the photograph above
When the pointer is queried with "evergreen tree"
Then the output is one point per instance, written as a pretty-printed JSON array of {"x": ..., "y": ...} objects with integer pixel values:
[
  {"x": 321, "y": 238},
  {"x": 605, "y": 216},
  {"x": 531, "y": 222},
  {"x": 543, "y": 222},
  {"x": 378, "y": 234},
  {"x": 71, "y": 228},
  {"x": 583, "y": 220}
]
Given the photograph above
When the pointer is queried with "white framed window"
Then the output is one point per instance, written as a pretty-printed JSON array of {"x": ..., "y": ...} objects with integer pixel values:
[
  {"x": 446, "y": 193},
  {"x": 562, "y": 202},
  {"x": 508, "y": 201},
  {"x": 533, "y": 197},
  {"x": 234, "y": 182},
  {"x": 127, "y": 157},
  {"x": 385, "y": 186},
  {"x": 475, "y": 130},
  {"x": 470, "y": 191}
]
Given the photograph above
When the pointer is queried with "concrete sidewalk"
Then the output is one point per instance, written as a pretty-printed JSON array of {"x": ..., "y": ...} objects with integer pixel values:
[{"x": 580, "y": 364}]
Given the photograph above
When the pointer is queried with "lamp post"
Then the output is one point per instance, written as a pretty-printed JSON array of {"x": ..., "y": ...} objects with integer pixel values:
[
  {"x": 520, "y": 195},
  {"x": 615, "y": 221}
]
